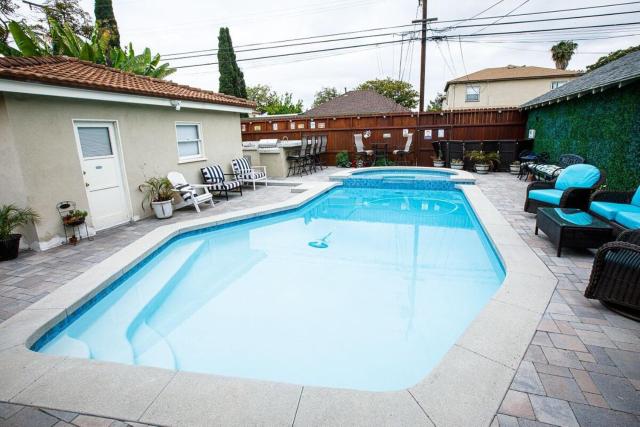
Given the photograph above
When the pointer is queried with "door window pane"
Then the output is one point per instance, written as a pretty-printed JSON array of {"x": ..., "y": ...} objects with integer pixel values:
[{"x": 94, "y": 142}]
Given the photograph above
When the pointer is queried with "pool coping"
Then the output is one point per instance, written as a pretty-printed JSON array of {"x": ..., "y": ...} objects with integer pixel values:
[{"x": 465, "y": 388}]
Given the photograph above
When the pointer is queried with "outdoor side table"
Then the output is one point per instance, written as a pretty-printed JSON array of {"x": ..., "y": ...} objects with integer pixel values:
[{"x": 572, "y": 228}]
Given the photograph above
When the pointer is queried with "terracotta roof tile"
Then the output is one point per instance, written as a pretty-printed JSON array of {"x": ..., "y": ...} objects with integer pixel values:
[
  {"x": 513, "y": 72},
  {"x": 357, "y": 102},
  {"x": 72, "y": 72}
]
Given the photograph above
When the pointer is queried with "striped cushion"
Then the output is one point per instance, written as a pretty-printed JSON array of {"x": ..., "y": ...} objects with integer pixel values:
[
  {"x": 186, "y": 191},
  {"x": 241, "y": 165},
  {"x": 251, "y": 174},
  {"x": 227, "y": 185},
  {"x": 212, "y": 174}
]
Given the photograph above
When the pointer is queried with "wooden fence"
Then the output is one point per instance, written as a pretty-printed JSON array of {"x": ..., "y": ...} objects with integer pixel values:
[{"x": 465, "y": 125}]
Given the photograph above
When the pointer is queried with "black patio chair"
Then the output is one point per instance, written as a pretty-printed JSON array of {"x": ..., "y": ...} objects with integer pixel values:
[{"x": 615, "y": 276}]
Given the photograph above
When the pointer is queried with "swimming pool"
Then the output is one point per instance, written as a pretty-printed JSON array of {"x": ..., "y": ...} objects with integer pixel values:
[{"x": 360, "y": 288}]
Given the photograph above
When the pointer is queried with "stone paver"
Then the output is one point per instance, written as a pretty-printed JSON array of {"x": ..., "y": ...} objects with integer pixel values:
[
  {"x": 581, "y": 353},
  {"x": 586, "y": 357}
]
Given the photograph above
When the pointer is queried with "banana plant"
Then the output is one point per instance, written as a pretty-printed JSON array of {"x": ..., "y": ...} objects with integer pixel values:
[{"x": 63, "y": 41}]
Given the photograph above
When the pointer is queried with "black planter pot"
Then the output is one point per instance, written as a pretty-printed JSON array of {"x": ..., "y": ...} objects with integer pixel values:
[{"x": 9, "y": 247}]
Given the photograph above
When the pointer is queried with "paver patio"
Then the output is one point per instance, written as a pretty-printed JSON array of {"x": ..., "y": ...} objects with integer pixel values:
[{"x": 581, "y": 368}]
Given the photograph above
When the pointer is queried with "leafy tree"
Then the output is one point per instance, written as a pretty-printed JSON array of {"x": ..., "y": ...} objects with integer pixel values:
[
  {"x": 562, "y": 53},
  {"x": 231, "y": 77},
  {"x": 436, "y": 103},
  {"x": 8, "y": 10},
  {"x": 603, "y": 60},
  {"x": 68, "y": 12},
  {"x": 106, "y": 24},
  {"x": 325, "y": 94},
  {"x": 270, "y": 102},
  {"x": 62, "y": 40},
  {"x": 401, "y": 92}
]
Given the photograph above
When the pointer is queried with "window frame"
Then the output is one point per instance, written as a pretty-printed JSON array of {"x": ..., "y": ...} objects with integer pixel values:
[
  {"x": 466, "y": 93},
  {"x": 555, "y": 82},
  {"x": 195, "y": 158}
]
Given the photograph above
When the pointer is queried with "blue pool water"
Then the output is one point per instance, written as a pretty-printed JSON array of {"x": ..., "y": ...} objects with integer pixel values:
[{"x": 362, "y": 288}]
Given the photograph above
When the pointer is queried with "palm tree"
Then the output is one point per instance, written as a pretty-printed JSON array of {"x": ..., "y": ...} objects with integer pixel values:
[{"x": 562, "y": 53}]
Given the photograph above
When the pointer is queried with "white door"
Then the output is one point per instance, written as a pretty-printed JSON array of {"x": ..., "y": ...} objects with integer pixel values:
[{"x": 102, "y": 174}]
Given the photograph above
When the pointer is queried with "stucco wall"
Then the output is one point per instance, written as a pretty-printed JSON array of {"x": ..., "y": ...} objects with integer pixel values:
[
  {"x": 43, "y": 130},
  {"x": 508, "y": 93}
]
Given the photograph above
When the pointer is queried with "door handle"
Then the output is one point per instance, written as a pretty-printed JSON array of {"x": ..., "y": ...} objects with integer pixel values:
[{"x": 86, "y": 184}]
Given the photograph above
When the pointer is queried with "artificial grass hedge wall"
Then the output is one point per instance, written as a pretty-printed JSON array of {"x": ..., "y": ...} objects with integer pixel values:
[{"x": 603, "y": 128}]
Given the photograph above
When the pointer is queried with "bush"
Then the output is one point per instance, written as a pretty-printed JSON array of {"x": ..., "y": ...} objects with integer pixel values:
[{"x": 342, "y": 159}]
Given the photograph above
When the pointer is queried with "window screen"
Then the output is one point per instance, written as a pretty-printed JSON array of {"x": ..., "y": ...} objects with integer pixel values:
[{"x": 94, "y": 142}]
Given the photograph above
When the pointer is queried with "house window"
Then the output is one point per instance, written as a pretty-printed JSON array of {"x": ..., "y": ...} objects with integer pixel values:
[
  {"x": 292, "y": 125},
  {"x": 274, "y": 126},
  {"x": 472, "y": 94},
  {"x": 189, "y": 141},
  {"x": 300, "y": 125},
  {"x": 556, "y": 85}
]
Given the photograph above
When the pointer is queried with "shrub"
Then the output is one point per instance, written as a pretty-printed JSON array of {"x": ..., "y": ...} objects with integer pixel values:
[{"x": 342, "y": 159}]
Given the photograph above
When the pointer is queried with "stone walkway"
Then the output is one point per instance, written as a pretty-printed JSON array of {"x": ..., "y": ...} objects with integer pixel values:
[{"x": 582, "y": 367}]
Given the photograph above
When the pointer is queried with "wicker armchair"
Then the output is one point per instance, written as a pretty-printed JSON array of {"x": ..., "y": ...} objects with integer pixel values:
[
  {"x": 573, "y": 197},
  {"x": 615, "y": 277}
]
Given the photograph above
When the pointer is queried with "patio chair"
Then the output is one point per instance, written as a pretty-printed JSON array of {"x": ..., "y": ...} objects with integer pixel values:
[
  {"x": 621, "y": 209},
  {"x": 365, "y": 156},
  {"x": 247, "y": 174},
  {"x": 546, "y": 171},
  {"x": 401, "y": 155},
  {"x": 188, "y": 193},
  {"x": 322, "y": 152},
  {"x": 297, "y": 161},
  {"x": 215, "y": 178},
  {"x": 571, "y": 189},
  {"x": 615, "y": 276}
]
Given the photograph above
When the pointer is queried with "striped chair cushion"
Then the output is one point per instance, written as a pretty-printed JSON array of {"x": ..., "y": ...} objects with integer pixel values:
[
  {"x": 251, "y": 174},
  {"x": 212, "y": 174},
  {"x": 186, "y": 191},
  {"x": 227, "y": 185},
  {"x": 241, "y": 166}
]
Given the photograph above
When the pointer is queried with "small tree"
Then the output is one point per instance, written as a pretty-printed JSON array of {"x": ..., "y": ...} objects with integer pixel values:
[
  {"x": 231, "y": 80},
  {"x": 562, "y": 53},
  {"x": 68, "y": 12},
  {"x": 325, "y": 94},
  {"x": 401, "y": 92},
  {"x": 436, "y": 103},
  {"x": 8, "y": 10},
  {"x": 270, "y": 102},
  {"x": 603, "y": 60}
]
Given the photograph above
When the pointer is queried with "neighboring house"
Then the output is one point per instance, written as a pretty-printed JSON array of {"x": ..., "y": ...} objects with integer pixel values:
[
  {"x": 508, "y": 86},
  {"x": 596, "y": 116},
  {"x": 74, "y": 130},
  {"x": 357, "y": 102}
]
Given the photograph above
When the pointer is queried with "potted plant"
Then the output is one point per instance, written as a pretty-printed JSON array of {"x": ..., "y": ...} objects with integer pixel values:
[
  {"x": 158, "y": 191},
  {"x": 12, "y": 217},
  {"x": 74, "y": 217},
  {"x": 457, "y": 164},
  {"x": 438, "y": 161},
  {"x": 482, "y": 161},
  {"x": 514, "y": 168},
  {"x": 342, "y": 160}
]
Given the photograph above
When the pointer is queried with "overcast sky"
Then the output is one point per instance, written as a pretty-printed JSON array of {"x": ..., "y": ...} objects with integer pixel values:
[{"x": 169, "y": 26}]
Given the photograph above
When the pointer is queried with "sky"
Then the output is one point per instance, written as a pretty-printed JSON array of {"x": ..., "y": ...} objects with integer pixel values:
[{"x": 169, "y": 26}]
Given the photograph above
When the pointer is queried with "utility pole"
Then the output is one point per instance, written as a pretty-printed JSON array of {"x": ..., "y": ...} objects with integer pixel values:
[{"x": 423, "y": 52}]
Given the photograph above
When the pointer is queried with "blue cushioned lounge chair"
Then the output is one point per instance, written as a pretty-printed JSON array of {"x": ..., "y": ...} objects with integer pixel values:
[
  {"x": 571, "y": 189},
  {"x": 621, "y": 209}
]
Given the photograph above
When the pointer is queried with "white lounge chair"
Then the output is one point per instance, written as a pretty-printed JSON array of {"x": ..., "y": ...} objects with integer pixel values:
[
  {"x": 188, "y": 192},
  {"x": 401, "y": 155},
  {"x": 362, "y": 154},
  {"x": 247, "y": 174}
]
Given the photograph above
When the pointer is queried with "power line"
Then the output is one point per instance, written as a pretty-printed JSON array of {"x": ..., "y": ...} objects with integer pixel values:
[
  {"x": 390, "y": 34},
  {"x": 434, "y": 38},
  {"x": 478, "y": 14},
  {"x": 406, "y": 25},
  {"x": 499, "y": 19}
]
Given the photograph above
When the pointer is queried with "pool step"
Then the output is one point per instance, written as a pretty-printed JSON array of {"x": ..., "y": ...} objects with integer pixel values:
[
  {"x": 158, "y": 354},
  {"x": 69, "y": 346},
  {"x": 105, "y": 332}
]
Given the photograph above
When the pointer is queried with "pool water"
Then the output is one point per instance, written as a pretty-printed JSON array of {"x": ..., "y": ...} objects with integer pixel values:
[
  {"x": 362, "y": 288},
  {"x": 403, "y": 174}
]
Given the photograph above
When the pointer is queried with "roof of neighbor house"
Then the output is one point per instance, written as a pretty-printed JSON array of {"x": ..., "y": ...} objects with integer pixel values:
[
  {"x": 357, "y": 102},
  {"x": 75, "y": 73},
  {"x": 615, "y": 73},
  {"x": 512, "y": 72}
]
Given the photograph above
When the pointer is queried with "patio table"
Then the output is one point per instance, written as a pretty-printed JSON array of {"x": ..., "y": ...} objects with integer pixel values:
[{"x": 572, "y": 228}]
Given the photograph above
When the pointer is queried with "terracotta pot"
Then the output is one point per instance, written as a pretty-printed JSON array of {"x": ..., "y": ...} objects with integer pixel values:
[{"x": 9, "y": 247}]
